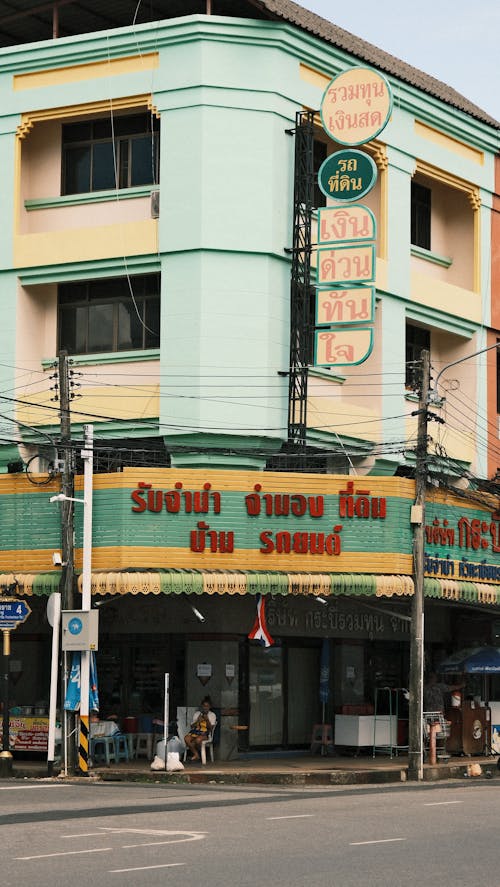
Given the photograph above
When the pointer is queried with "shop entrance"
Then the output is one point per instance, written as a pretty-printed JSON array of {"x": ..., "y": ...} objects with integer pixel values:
[
  {"x": 283, "y": 695},
  {"x": 266, "y": 695}
]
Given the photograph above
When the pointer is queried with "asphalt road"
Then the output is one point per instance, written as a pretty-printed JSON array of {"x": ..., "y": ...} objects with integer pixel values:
[{"x": 56, "y": 834}]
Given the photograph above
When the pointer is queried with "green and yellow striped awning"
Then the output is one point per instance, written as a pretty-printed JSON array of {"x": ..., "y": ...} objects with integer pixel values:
[{"x": 176, "y": 582}]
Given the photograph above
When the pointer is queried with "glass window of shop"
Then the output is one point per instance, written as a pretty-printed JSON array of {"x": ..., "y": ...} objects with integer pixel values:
[{"x": 131, "y": 674}]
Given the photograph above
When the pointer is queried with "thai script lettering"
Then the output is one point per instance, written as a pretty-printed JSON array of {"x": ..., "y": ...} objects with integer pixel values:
[
  {"x": 281, "y": 618},
  {"x": 438, "y": 566},
  {"x": 345, "y": 224},
  {"x": 204, "y": 538},
  {"x": 283, "y": 505},
  {"x": 344, "y": 306},
  {"x": 439, "y": 535},
  {"x": 333, "y": 620},
  {"x": 283, "y": 542},
  {"x": 177, "y": 500},
  {"x": 345, "y": 263},
  {"x": 360, "y": 503},
  {"x": 478, "y": 534},
  {"x": 357, "y": 91},
  {"x": 470, "y": 570},
  {"x": 340, "y": 121}
]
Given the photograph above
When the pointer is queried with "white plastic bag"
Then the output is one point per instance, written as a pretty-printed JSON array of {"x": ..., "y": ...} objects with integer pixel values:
[{"x": 173, "y": 762}]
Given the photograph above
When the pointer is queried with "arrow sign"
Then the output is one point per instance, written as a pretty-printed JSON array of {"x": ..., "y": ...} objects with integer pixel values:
[{"x": 12, "y": 613}]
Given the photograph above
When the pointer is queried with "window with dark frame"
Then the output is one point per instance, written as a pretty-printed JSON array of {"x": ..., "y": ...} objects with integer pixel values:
[
  {"x": 420, "y": 215},
  {"x": 110, "y": 153},
  {"x": 117, "y": 314},
  {"x": 417, "y": 339}
]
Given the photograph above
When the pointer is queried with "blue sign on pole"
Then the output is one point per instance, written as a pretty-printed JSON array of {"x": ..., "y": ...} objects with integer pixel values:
[{"x": 13, "y": 613}]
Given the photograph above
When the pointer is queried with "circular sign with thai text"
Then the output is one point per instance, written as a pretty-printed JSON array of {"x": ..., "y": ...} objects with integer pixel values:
[
  {"x": 356, "y": 106},
  {"x": 347, "y": 175}
]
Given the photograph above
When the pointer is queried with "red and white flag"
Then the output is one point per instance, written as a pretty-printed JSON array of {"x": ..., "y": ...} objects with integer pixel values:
[{"x": 260, "y": 631}]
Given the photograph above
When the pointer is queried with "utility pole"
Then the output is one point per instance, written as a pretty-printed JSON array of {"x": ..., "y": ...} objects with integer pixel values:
[
  {"x": 67, "y": 585},
  {"x": 415, "y": 739}
]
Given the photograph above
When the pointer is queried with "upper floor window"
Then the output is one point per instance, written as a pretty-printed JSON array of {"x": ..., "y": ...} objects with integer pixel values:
[
  {"x": 417, "y": 339},
  {"x": 420, "y": 215},
  {"x": 108, "y": 153},
  {"x": 121, "y": 314}
]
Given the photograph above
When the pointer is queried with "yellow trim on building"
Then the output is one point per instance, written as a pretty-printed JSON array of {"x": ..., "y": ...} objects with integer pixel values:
[
  {"x": 86, "y": 244},
  {"x": 89, "y": 109},
  {"x": 244, "y": 481},
  {"x": 156, "y": 557},
  {"x": 448, "y": 142},
  {"x": 92, "y": 71},
  {"x": 315, "y": 78},
  {"x": 442, "y": 296}
]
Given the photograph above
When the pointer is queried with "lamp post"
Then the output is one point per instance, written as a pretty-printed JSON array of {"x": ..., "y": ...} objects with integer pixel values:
[
  {"x": 433, "y": 395},
  {"x": 87, "y": 455}
]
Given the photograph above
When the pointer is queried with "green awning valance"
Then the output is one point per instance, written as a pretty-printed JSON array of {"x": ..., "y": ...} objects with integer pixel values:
[{"x": 219, "y": 582}]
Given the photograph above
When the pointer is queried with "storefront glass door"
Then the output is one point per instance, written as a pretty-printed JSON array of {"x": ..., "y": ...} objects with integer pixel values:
[
  {"x": 266, "y": 696},
  {"x": 303, "y": 693}
]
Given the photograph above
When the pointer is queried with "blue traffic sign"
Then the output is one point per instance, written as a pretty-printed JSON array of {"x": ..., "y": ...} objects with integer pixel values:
[{"x": 13, "y": 613}]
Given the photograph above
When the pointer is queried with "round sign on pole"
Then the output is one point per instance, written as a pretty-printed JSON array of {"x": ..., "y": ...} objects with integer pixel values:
[
  {"x": 53, "y": 607},
  {"x": 356, "y": 106},
  {"x": 347, "y": 175}
]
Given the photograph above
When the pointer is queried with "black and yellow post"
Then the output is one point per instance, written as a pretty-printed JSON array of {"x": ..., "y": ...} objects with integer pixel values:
[
  {"x": 5, "y": 754},
  {"x": 83, "y": 748}
]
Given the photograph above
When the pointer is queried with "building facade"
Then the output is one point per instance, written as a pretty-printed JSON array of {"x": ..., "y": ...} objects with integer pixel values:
[{"x": 147, "y": 207}]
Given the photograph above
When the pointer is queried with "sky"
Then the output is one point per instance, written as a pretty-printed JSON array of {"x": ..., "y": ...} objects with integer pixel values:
[{"x": 453, "y": 40}]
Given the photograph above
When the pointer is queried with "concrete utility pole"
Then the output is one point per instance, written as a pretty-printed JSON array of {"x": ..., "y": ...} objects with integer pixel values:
[
  {"x": 415, "y": 739},
  {"x": 67, "y": 585}
]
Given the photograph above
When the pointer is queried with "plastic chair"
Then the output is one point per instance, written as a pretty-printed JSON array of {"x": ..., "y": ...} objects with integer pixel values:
[
  {"x": 103, "y": 749},
  {"x": 144, "y": 746},
  {"x": 184, "y": 721},
  {"x": 121, "y": 747}
]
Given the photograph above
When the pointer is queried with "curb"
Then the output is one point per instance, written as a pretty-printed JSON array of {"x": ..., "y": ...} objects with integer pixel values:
[{"x": 331, "y": 777}]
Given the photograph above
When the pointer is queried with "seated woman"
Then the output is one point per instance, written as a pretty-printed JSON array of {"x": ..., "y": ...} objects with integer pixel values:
[{"x": 201, "y": 729}]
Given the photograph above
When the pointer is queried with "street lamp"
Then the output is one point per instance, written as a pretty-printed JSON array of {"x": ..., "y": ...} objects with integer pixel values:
[
  {"x": 87, "y": 456},
  {"x": 434, "y": 395}
]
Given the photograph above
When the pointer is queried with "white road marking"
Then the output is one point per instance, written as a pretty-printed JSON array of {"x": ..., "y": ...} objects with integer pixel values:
[
  {"x": 85, "y": 835},
  {"x": 442, "y": 803},
  {"x": 65, "y": 853},
  {"x": 185, "y": 836},
  {"x": 295, "y": 816},
  {"x": 145, "y": 868},
  {"x": 154, "y": 843},
  {"x": 381, "y": 841}
]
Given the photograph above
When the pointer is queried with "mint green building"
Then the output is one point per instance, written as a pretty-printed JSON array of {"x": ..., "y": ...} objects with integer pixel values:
[{"x": 147, "y": 206}]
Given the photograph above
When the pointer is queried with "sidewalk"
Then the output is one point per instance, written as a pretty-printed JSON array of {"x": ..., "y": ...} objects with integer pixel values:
[{"x": 296, "y": 769}]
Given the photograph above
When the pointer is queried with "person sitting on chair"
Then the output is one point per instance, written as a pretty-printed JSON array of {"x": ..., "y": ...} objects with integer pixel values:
[{"x": 201, "y": 729}]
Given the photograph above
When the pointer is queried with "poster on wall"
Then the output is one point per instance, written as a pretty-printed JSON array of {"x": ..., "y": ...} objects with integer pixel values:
[{"x": 204, "y": 672}]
